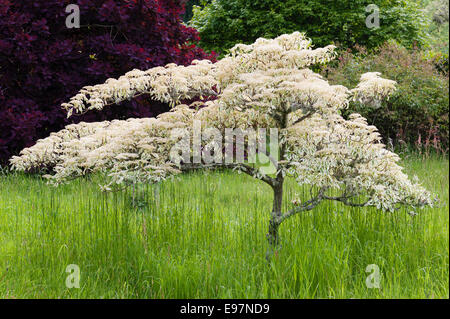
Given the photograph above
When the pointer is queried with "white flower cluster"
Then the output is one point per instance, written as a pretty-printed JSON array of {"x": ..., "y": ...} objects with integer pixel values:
[
  {"x": 372, "y": 88},
  {"x": 130, "y": 151},
  {"x": 348, "y": 157},
  {"x": 168, "y": 84},
  {"x": 264, "y": 85}
]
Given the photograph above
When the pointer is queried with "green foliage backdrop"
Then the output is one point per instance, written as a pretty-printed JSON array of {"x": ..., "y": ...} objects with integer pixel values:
[
  {"x": 223, "y": 23},
  {"x": 417, "y": 113}
]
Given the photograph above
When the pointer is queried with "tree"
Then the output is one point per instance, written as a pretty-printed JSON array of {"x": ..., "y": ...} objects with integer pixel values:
[
  {"x": 188, "y": 12},
  {"x": 264, "y": 85},
  {"x": 43, "y": 62},
  {"x": 223, "y": 23}
]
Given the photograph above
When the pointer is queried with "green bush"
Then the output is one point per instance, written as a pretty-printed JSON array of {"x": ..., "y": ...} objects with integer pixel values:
[
  {"x": 439, "y": 59},
  {"x": 437, "y": 11},
  {"x": 437, "y": 41},
  {"x": 418, "y": 112},
  {"x": 223, "y": 23}
]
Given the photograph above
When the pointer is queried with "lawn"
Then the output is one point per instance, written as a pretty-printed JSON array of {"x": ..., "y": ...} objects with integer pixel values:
[{"x": 202, "y": 235}]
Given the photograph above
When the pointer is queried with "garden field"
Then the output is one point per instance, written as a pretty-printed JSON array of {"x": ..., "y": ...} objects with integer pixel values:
[{"x": 202, "y": 235}]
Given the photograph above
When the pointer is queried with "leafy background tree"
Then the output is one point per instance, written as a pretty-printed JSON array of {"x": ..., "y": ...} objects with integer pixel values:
[
  {"x": 189, "y": 12},
  {"x": 437, "y": 40},
  {"x": 223, "y": 23},
  {"x": 43, "y": 63},
  {"x": 437, "y": 13}
]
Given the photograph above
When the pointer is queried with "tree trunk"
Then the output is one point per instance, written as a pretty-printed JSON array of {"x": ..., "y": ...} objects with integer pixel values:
[{"x": 272, "y": 235}]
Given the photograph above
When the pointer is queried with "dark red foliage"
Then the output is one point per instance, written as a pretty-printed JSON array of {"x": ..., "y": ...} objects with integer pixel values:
[{"x": 43, "y": 63}]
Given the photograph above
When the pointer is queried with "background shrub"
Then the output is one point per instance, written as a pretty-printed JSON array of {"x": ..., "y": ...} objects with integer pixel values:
[
  {"x": 42, "y": 63},
  {"x": 437, "y": 12},
  {"x": 223, "y": 23},
  {"x": 418, "y": 112},
  {"x": 437, "y": 41}
]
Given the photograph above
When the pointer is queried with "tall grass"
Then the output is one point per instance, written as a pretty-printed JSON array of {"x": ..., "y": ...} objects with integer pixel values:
[{"x": 202, "y": 235}]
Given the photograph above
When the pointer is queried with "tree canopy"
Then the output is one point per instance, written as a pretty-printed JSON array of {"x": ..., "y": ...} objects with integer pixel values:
[{"x": 224, "y": 23}]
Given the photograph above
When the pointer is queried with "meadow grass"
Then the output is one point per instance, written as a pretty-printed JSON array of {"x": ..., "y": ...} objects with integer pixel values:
[{"x": 202, "y": 235}]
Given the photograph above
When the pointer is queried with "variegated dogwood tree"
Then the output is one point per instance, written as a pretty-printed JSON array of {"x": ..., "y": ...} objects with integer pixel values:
[{"x": 268, "y": 84}]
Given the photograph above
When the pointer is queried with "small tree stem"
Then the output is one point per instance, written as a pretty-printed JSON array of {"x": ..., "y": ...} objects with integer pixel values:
[{"x": 275, "y": 220}]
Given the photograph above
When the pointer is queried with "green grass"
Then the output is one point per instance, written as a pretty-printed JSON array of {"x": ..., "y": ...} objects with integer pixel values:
[{"x": 203, "y": 236}]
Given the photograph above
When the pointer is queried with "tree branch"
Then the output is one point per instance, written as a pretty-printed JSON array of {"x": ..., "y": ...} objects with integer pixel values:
[
  {"x": 345, "y": 200},
  {"x": 312, "y": 203},
  {"x": 304, "y": 117}
]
